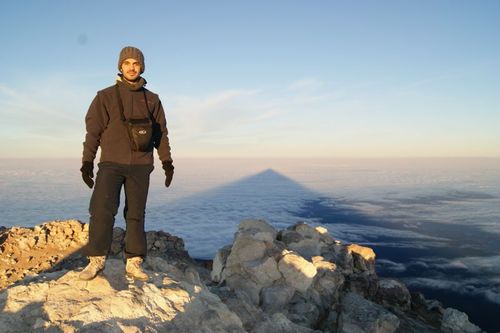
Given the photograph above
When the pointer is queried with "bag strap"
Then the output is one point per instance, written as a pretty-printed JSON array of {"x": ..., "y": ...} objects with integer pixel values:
[
  {"x": 122, "y": 116},
  {"x": 120, "y": 103}
]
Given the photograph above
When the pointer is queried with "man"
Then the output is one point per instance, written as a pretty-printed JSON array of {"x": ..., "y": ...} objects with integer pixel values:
[{"x": 111, "y": 124}]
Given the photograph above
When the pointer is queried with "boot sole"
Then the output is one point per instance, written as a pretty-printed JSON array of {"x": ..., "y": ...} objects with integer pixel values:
[{"x": 131, "y": 277}]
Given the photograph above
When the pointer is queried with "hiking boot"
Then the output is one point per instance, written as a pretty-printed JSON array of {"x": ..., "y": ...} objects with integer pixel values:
[
  {"x": 95, "y": 266},
  {"x": 134, "y": 269}
]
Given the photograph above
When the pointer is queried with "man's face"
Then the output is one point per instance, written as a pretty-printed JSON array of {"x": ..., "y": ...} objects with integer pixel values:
[{"x": 131, "y": 69}]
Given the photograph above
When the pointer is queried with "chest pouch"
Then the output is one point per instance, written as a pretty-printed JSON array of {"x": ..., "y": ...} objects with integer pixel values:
[
  {"x": 140, "y": 133},
  {"x": 140, "y": 130}
]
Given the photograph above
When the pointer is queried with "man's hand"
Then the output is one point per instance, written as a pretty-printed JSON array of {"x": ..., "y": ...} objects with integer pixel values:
[
  {"x": 87, "y": 170},
  {"x": 169, "y": 172}
]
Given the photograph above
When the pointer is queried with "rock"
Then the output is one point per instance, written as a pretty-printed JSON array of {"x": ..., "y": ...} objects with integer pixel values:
[
  {"x": 307, "y": 248},
  {"x": 264, "y": 272},
  {"x": 393, "y": 295},
  {"x": 455, "y": 321},
  {"x": 260, "y": 229},
  {"x": 118, "y": 238},
  {"x": 245, "y": 248},
  {"x": 266, "y": 281},
  {"x": 328, "y": 281},
  {"x": 361, "y": 315},
  {"x": 430, "y": 311},
  {"x": 298, "y": 272},
  {"x": 249, "y": 313},
  {"x": 364, "y": 258},
  {"x": 55, "y": 245},
  {"x": 275, "y": 298},
  {"x": 244, "y": 287},
  {"x": 365, "y": 284},
  {"x": 304, "y": 310},
  {"x": 219, "y": 263},
  {"x": 279, "y": 323},
  {"x": 306, "y": 240},
  {"x": 166, "y": 303}
]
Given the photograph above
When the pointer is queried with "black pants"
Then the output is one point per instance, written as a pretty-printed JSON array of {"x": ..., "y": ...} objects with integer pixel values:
[{"x": 104, "y": 205}]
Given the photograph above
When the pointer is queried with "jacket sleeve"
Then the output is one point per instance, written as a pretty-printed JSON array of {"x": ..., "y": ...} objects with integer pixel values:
[
  {"x": 96, "y": 121},
  {"x": 161, "y": 141}
]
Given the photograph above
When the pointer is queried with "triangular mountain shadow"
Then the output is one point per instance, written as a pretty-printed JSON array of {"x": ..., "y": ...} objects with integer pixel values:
[{"x": 207, "y": 220}]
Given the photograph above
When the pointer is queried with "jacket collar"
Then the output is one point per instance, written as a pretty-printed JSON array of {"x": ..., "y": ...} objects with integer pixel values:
[{"x": 138, "y": 85}]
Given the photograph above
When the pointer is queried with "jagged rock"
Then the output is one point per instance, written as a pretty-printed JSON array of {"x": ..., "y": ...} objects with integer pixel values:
[
  {"x": 430, "y": 311},
  {"x": 245, "y": 248},
  {"x": 298, "y": 272},
  {"x": 259, "y": 229},
  {"x": 264, "y": 271},
  {"x": 258, "y": 284},
  {"x": 361, "y": 315},
  {"x": 364, "y": 258},
  {"x": 55, "y": 245},
  {"x": 279, "y": 323},
  {"x": 393, "y": 295},
  {"x": 303, "y": 309},
  {"x": 249, "y": 314},
  {"x": 455, "y": 321},
  {"x": 275, "y": 298},
  {"x": 328, "y": 282},
  {"x": 306, "y": 240},
  {"x": 117, "y": 243},
  {"x": 364, "y": 284},
  {"x": 219, "y": 262}
]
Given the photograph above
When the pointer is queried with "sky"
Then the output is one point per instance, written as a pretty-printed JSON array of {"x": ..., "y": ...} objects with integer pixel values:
[{"x": 261, "y": 78}]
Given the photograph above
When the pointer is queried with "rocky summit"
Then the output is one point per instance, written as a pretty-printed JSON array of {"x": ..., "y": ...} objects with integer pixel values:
[{"x": 296, "y": 280}]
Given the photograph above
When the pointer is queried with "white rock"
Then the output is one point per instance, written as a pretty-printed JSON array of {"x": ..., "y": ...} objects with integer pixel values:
[
  {"x": 455, "y": 321},
  {"x": 108, "y": 303},
  {"x": 219, "y": 263},
  {"x": 245, "y": 248},
  {"x": 257, "y": 225},
  {"x": 298, "y": 272},
  {"x": 264, "y": 272}
]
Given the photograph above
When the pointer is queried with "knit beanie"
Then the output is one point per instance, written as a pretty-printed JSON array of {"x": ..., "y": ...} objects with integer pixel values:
[{"x": 131, "y": 52}]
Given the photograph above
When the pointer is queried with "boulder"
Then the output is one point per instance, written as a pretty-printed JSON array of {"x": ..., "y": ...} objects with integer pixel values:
[
  {"x": 430, "y": 311},
  {"x": 455, "y": 321},
  {"x": 260, "y": 229},
  {"x": 328, "y": 282},
  {"x": 245, "y": 248},
  {"x": 393, "y": 295},
  {"x": 363, "y": 258},
  {"x": 264, "y": 272},
  {"x": 361, "y": 315},
  {"x": 298, "y": 272},
  {"x": 304, "y": 309},
  {"x": 275, "y": 298},
  {"x": 219, "y": 263},
  {"x": 306, "y": 240},
  {"x": 279, "y": 323}
]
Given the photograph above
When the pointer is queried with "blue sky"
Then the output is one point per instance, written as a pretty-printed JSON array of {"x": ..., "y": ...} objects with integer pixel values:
[{"x": 261, "y": 78}]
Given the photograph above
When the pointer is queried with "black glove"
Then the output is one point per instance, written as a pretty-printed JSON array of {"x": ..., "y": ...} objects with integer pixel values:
[
  {"x": 87, "y": 170},
  {"x": 169, "y": 172}
]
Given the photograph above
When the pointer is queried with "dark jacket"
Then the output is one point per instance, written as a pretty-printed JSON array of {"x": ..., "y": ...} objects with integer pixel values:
[{"x": 105, "y": 128}]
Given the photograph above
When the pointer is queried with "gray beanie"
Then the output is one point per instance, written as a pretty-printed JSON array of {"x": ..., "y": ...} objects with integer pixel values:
[{"x": 131, "y": 52}]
